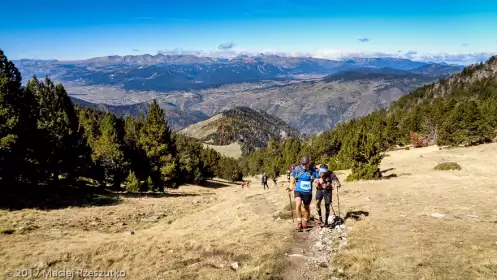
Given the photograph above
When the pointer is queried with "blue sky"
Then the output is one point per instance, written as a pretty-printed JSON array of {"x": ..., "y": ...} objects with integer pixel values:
[{"x": 440, "y": 30}]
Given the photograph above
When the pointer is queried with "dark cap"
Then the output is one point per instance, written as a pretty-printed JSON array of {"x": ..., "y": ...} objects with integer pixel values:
[{"x": 304, "y": 160}]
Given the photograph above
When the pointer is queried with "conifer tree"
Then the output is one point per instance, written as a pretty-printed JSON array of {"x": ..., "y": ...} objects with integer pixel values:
[
  {"x": 58, "y": 128},
  {"x": 158, "y": 143},
  {"x": 190, "y": 160},
  {"x": 211, "y": 162},
  {"x": 17, "y": 126},
  {"x": 366, "y": 155},
  {"x": 136, "y": 155},
  {"x": 132, "y": 184},
  {"x": 108, "y": 151}
]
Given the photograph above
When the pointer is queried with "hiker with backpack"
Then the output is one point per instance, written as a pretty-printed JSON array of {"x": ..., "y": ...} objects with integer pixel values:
[
  {"x": 301, "y": 183},
  {"x": 324, "y": 190},
  {"x": 264, "y": 181}
]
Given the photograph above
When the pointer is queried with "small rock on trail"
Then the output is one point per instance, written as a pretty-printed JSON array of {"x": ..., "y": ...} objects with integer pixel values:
[
  {"x": 235, "y": 265},
  {"x": 438, "y": 215}
]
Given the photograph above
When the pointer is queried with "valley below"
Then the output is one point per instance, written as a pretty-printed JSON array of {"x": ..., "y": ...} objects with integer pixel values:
[
  {"x": 311, "y": 95},
  {"x": 309, "y": 106}
]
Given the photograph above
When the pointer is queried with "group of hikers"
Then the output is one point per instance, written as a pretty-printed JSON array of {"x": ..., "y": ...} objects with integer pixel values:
[{"x": 302, "y": 178}]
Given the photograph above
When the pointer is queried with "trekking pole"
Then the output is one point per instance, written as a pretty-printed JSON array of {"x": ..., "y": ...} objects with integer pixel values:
[
  {"x": 291, "y": 207},
  {"x": 338, "y": 200}
]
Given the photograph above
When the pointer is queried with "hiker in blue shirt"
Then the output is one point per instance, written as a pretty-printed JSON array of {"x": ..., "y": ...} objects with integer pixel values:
[{"x": 302, "y": 180}]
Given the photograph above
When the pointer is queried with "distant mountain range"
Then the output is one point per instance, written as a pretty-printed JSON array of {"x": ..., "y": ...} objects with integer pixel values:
[
  {"x": 187, "y": 72},
  {"x": 309, "y": 94}
]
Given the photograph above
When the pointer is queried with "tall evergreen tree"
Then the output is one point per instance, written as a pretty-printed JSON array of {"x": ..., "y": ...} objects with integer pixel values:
[
  {"x": 211, "y": 162},
  {"x": 367, "y": 156},
  {"x": 17, "y": 125},
  {"x": 190, "y": 160},
  {"x": 133, "y": 151},
  {"x": 58, "y": 127},
  {"x": 108, "y": 151},
  {"x": 158, "y": 143}
]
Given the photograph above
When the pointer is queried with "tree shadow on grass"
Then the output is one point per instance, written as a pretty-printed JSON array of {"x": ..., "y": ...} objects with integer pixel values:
[
  {"x": 389, "y": 176},
  {"x": 215, "y": 184},
  {"x": 386, "y": 170},
  {"x": 153, "y": 195},
  {"x": 63, "y": 195},
  {"x": 48, "y": 197}
]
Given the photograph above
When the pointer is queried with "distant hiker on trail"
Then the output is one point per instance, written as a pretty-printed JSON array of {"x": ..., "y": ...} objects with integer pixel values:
[
  {"x": 264, "y": 181},
  {"x": 302, "y": 180},
  {"x": 276, "y": 174},
  {"x": 324, "y": 190},
  {"x": 290, "y": 170},
  {"x": 245, "y": 184}
]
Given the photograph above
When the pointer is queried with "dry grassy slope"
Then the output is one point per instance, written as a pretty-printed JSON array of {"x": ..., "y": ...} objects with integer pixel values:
[
  {"x": 197, "y": 232},
  {"x": 401, "y": 240},
  {"x": 205, "y": 128},
  {"x": 202, "y": 129},
  {"x": 233, "y": 150}
]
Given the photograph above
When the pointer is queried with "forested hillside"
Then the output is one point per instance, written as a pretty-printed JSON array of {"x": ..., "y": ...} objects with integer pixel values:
[
  {"x": 45, "y": 140},
  {"x": 459, "y": 110},
  {"x": 251, "y": 128},
  {"x": 176, "y": 117}
]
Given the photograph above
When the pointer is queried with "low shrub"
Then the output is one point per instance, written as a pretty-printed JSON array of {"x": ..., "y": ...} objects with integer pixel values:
[
  {"x": 418, "y": 140},
  {"x": 448, "y": 166}
]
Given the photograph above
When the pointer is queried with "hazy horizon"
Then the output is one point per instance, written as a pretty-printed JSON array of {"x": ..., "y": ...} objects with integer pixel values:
[{"x": 451, "y": 31}]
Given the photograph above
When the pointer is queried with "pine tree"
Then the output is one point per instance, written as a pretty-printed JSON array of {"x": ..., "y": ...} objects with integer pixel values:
[
  {"x": 58, "y": 128},
  {"x": 158, "y": 143},
  {"x": 17, "y": 126},
  {"x": 132, "y": 183},
  {"x": 366, "y": 155},
  {"x": 211, "y": 162},
  {"x": 108, "y": 151},
  {"x": 190, "y": 159},
  {"x": 89, "y": 132},
  {"x": 136, "y": 155},
  {"x": 150, "y": 184}
]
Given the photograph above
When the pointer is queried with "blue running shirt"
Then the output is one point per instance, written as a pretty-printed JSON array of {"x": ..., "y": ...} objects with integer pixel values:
[{"x": 304, "y": 180}]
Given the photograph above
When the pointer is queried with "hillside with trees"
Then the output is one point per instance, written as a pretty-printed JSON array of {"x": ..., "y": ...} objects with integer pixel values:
[
  {"x": 177, "y": 118},
  {"x": 252, "y": 129},
  {"x": 46, "y": 140},
  {"x": 460, "y": 110}
]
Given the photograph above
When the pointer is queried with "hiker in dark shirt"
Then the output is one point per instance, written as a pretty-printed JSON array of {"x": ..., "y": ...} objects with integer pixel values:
[
  {"x": 264, "y": 181},
  {"x": 327, "y": 180}
]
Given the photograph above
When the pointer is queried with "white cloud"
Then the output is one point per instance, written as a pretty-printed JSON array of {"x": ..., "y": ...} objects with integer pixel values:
[{"x": 226, "y": 46}]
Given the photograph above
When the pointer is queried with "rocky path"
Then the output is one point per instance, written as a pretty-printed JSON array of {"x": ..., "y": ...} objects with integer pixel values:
[{"x": 313, "y": 251}]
